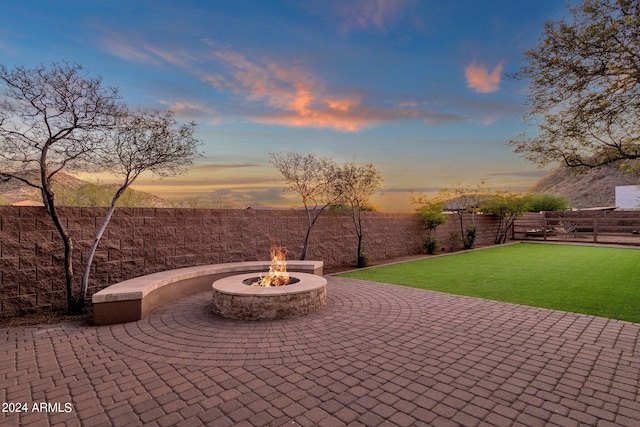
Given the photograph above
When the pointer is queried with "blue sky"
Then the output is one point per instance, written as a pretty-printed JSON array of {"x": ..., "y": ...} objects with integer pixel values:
[{"x": 417, "y": 87}]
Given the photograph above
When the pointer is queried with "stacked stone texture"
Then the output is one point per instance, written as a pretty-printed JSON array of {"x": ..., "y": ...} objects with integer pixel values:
[
  {"x": 140, "y": 241},
  {"x": 269, "y": 307}
]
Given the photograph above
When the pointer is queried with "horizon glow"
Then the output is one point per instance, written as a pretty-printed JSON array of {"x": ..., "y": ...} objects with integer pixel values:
[{"x": 418, "y": 88}]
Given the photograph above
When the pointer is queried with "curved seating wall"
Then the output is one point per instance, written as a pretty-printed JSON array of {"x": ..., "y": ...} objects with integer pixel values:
[{"x": 135, "y": 298}]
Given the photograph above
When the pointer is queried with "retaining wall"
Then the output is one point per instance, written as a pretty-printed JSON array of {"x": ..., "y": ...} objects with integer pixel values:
[{"x": 140, "y": 241}]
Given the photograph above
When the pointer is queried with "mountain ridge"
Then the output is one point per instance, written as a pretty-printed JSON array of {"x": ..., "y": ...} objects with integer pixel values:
[
  {"x": 72, "y": 191},
  {"x": 594, "y": 188},
  {"x": 17, "y": 192}
]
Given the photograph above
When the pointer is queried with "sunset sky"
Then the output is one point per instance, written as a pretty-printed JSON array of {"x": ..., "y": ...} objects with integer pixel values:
[{"x": 417, "y": 87}]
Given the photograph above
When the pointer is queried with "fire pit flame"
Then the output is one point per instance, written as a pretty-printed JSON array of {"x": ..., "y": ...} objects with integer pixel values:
[{"x": 277, "y": 275}]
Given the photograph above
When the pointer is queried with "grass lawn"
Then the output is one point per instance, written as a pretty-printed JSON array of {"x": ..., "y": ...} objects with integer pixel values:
[{"x": 590, "y": 280}]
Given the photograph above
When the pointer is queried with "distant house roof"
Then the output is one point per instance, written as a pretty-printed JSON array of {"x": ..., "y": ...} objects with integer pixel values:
[
  {"x": 266, "y": 208},
  {"x": 271, "y": 208},
  {"x": 599, "y": 208}
]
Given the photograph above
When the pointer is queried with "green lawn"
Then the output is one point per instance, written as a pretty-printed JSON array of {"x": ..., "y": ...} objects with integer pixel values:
[{"x": 591, "y": 280}]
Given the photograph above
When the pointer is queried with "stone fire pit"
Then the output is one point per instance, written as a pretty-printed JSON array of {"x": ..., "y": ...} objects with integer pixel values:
[{"x": 236, "y": 300}]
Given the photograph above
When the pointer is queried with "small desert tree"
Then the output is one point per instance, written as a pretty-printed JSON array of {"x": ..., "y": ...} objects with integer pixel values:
[
  {"x": 142, "y": 141},
  {"x": 314, "y": 179},
  {"x": 354, "y": 187},
  {"x": 431, "y": 216},
  {"x": 460, "y": 200},
  {"x": 507, "y": 207},
  {"x": 53, "y": 118}
]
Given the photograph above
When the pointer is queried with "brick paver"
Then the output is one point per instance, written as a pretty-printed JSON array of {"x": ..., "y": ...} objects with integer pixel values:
[{"x": 375, "y": 355}]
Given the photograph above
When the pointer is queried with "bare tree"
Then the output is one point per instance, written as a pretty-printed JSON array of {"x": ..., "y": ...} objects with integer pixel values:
[
  {"x": 144, "y": 140},
  {"x": 313, "y": 178},
  {"x": 53, "y": 118},
  {"x": 354, "y": 187}
]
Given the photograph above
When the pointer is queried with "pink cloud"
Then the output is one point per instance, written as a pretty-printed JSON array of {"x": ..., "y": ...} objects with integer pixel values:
[
  {"x": 342, "y": 105},
  {"x": 275, "y": 93},
  {"x": 480, "y": 80},
  {"x": 190, "y": 109},
  {"x": 316, "y": 119},
  {"x": 297, "y": 95}
]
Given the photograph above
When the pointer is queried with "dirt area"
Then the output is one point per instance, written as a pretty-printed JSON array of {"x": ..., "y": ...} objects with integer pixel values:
[
  {"x": 333, "y": 270},
  {"x": 46, "y": 318}
]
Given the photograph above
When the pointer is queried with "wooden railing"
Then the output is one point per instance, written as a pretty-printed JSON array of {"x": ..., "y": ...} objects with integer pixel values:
[{"x": 600, "y": 227}]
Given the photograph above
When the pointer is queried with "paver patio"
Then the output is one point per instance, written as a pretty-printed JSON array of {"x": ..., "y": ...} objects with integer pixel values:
[{"x": 375, "y": 355}]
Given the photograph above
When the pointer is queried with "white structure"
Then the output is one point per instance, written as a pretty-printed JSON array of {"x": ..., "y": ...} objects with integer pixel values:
[{"x": 628, "y": 196}]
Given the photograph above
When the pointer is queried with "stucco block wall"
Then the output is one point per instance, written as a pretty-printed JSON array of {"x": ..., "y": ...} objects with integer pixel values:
[{"x": 141, "y": 241}]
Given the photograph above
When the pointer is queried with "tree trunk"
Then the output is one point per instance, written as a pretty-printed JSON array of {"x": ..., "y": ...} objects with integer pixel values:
[
  {"x": 305, "y": 245},
  {"x": 311, "y": 221},
  {"x": 92, "y": 251},
  {"x": 98, "y": 236},
  {"x": 48, "y": 198},
  {"x": 73, "y": 306},
  {"x": 361, "y": 261},
  {"x": 498, "y": 232}
]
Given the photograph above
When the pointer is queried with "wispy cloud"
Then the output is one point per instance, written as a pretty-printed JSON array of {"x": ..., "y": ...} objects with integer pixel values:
[
  {"x": 410, "y": 190},
  {"x": 271, "y": 92},
  {"x": 186, "y": 108},
  {"x": 481, "y": 80},
  {"x": 369, "y": 13},
  {"x": 132, "y": 47},
  {"x": 348, "y": 121},
  {"x": 127, "y": 51},
  {"x": 376, "y": 15},
  {"x": 209, "y": 168},
  {"x": 539, "y": 173},
  {"x": 297, "y": 97}
]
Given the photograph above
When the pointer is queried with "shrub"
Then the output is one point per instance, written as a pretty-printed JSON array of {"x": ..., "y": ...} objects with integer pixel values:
[
  {"x": 430, "y": 245},
  {"x": 363, "y": 259},
  {"x": 454, "y": 239},
  {"x": 431, "y": 216},
  {"x": 540, "y": 202},
  {"x": 470, "y": 236}
]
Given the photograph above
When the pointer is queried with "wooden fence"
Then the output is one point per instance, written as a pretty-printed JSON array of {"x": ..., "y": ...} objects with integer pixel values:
[{"x": 614, "y": 227}]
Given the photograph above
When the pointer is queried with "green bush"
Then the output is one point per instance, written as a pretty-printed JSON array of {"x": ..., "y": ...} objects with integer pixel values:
[
  {"x": 430, "y": 245},
  {"x": 540, "y": 202},
  {"x": 470, "y": 238},
  {"x": 363, "y": 259},
  {"x": 431, "y": 216}
]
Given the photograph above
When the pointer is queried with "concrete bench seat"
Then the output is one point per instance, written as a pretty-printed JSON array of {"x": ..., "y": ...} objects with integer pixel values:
[{"x": 135, "y": 298}]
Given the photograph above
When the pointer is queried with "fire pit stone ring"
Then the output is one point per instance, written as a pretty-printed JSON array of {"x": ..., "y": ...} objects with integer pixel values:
[{"x": 235, "y": 300}]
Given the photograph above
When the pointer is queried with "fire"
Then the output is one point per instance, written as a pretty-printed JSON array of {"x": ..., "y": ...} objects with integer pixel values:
[{"x": 277, "y": 275}]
